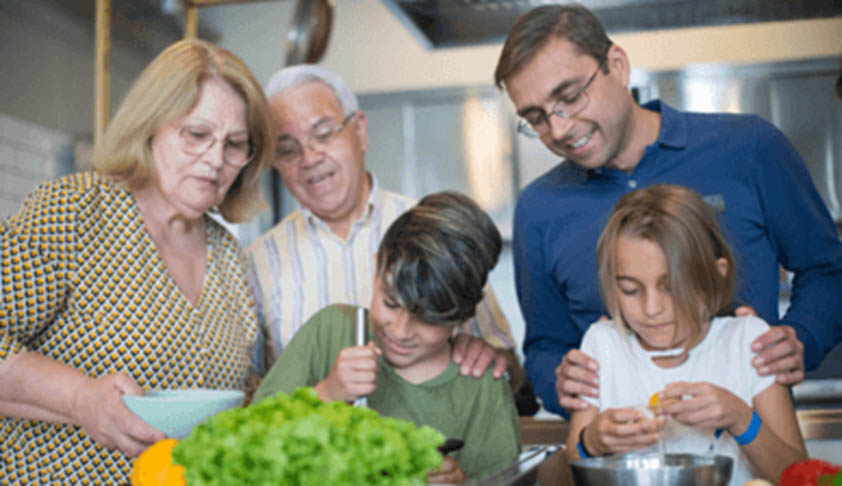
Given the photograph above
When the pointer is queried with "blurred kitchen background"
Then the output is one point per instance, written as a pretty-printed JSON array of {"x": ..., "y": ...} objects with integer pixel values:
[{"x": 423, "y": 69}]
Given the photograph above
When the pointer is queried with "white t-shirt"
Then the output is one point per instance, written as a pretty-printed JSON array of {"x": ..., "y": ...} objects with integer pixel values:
[{"x": 628, "y": 377}]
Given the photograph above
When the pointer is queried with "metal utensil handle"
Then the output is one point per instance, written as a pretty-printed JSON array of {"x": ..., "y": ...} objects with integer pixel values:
[{"x": 360, "y": 341}]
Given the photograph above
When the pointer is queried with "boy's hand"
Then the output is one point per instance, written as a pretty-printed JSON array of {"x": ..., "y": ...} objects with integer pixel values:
[
  {"x": 702, "y": 404},
  {"x": 450, "y": 472},
  {"x": 621, "y": 430},
  {"x": 354, "y": 374},
  {"x": 474, "y": 356}
]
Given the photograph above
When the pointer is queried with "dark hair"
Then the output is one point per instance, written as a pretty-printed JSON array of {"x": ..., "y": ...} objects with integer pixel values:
[
  {"x": 535, "y": 28},
  {"x": 679, "y": 221},
  {"x": 435, "y": 258}
]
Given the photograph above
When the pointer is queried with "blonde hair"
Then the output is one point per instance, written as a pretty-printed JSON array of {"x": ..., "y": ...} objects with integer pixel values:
[
  {"x": 684, "y": 228},
  {"x": 168, "y": 89}
]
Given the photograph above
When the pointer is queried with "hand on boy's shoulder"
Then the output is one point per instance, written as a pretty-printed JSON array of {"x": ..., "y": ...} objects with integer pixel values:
[{"x": 474, "y": 356}]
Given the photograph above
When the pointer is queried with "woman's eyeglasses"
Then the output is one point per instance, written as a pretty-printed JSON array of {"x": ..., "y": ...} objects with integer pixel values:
[{"x": 197, "y": 141}]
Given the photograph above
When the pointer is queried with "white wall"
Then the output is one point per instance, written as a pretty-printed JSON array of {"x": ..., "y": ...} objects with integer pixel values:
[{"x": 254, "y": 31}]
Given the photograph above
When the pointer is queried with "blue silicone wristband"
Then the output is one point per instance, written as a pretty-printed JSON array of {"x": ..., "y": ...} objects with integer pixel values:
[
  {"x": 580, "y": 446},
  {"x": 582, "y": 453},
  {"x": 752, "y": 430}
]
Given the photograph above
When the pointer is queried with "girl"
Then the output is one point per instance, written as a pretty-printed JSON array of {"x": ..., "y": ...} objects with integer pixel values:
[{"x": 667, "y": 277}]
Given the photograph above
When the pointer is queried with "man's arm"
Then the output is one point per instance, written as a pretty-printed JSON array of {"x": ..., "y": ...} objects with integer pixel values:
[
  {"x": 808, "y": 245},
  {"x": 550, "y": 331}
]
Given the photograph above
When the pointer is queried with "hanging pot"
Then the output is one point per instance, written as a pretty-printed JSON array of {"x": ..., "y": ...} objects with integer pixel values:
[{"x": 310, "y": 31}]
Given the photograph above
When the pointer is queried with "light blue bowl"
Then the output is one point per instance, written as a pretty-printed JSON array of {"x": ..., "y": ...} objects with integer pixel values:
[{"x": 176, "y": 412}]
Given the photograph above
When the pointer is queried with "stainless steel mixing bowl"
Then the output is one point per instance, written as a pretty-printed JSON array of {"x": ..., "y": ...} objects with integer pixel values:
[{"x": 653, "y": 470}]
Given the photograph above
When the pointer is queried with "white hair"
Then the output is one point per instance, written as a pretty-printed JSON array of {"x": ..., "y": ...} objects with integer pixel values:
[{"x": 293, "y": 76}]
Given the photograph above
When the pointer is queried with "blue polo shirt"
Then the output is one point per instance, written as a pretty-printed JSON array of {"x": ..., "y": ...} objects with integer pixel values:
[{"x": 767, "y": 206}]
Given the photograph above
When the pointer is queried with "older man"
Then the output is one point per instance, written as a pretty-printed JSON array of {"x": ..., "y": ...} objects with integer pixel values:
[
  {"x": 569, "y": 84},
  {"x": 323, "y": 253}
]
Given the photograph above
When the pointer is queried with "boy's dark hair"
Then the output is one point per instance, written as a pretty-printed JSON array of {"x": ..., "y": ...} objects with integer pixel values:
[
  {"x": 435, "y": 258},
  {"x": 538, "y": 26}
]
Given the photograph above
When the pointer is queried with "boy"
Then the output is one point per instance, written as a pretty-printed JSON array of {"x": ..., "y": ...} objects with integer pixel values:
[{"x": 431, "y": 267}]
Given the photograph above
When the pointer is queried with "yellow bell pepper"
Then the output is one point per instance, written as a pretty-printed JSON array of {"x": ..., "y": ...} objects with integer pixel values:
[{"x": 154, "y": 466}]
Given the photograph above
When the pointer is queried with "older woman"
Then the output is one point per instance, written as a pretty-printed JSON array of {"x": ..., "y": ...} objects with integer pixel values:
[{"x": 117, "y": 281}]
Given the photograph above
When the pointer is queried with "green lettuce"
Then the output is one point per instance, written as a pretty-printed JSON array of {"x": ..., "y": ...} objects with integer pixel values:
[{"x": 299, "y": 440}]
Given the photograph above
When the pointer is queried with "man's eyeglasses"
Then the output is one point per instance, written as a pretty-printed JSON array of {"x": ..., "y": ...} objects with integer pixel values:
[
  {"x": 197, "y": 140},
  {"x": 537, "y": 122},
  {"x": 288, "y": 149}
]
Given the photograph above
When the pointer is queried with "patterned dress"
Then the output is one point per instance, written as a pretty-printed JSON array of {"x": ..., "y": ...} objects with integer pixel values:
[{"x": 83, "y": 284}]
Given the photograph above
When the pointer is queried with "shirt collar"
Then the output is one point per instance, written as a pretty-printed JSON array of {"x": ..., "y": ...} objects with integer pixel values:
[
  {"x": 374, "y": 203},
  {"x": 673, "y": 132}
]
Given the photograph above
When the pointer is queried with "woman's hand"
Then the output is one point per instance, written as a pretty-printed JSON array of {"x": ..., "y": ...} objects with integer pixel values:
[
  {"x": 450, "y": 472},
  {"x": 98, "y": 408},
  {"x": 575, "y": 376},
  {"x": 702, "y": 404},
  {"x": 354, "y": 374},
  {"x": 621, "y": 430}
]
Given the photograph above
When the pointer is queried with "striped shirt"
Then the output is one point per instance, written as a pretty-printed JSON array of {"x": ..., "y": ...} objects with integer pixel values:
[{"x": 300, "y": 266}]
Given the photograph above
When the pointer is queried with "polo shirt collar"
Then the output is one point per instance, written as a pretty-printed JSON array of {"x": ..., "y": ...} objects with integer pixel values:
[{"x": 673, "y": 132}]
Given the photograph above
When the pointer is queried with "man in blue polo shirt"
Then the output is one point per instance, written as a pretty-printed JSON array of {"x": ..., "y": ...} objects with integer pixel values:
[{"x": 569, "y": 84}]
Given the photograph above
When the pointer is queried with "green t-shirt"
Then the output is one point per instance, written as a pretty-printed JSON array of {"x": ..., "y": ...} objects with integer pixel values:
[{"x": 479, "y": 411}]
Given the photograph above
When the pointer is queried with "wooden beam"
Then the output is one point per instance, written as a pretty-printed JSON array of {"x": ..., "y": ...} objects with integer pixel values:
[
  {"x": 102, "y": 68},
  {"x": 191, "y": 20}
]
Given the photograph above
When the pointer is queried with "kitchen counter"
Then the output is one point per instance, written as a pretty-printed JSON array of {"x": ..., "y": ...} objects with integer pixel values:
[
  {"x": 822, "y": 431},
  {"x": 821, "y": 424},
  {"x": 537, "y": 431},
  {"x": 818, "y": 393}
]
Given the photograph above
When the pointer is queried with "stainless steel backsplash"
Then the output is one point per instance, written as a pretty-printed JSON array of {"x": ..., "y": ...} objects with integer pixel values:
[{"x": 797, "y": 97}]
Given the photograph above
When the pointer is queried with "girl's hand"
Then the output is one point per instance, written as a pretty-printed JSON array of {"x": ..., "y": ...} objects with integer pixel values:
[
  {"x": 621, "y": 430},
  {"x": 450, "y": 472},
  {"x": 702, "y": 404},
  {"x": 354, "y": 374}
]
